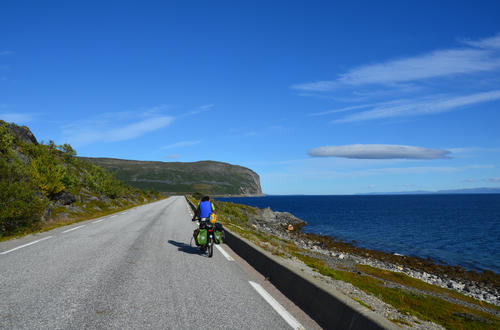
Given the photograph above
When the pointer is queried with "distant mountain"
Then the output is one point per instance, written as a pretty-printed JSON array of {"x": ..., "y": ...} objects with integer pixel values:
[
  {"x": 443, "y": 192},
  {"x": 208, "y": 177},
  {"x": 471, "y": 191}
]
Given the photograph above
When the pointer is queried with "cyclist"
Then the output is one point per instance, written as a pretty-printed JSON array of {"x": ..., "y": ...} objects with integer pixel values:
[
  {"x": 202, "y": 213},
  {"x": 204, "y": 209}
]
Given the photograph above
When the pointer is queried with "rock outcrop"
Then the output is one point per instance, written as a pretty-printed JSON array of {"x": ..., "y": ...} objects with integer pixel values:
[
  {"x": 275, "y": 220},
  {"x": 23, "y": 134}
]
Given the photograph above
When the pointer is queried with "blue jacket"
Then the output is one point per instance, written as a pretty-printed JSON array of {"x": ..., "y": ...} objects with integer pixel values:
[{"x": 206, "y": 208}]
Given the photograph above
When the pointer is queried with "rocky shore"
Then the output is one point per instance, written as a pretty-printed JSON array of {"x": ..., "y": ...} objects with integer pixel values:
[{"x": 340, "y": 255}]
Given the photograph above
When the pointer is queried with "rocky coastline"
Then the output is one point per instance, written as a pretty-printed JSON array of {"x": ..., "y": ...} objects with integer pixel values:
[{"x": 337, "y": 254}]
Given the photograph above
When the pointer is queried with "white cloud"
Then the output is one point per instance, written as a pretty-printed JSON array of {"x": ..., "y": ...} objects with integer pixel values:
[
  {"x": 157, "y": 108},
  {"x": 6, "y": 52},
  {"x": 134, "y": 130},
  {"x": 488, "y": 43},
  {"x": 114, "y": 127},
  {"x": 182, "y": 144},
  {"x": 436, "y": 64},
  {"x": 200, "y": 109},
  {"x": 378, "y": 151},
  {"x": 480, "y": 56},
  {"x": 18, "y": 118},
  {"x": 206, "y": 107},
  {"x": 431, "y": 83},
  {"x": 492, "y": 180},
  {"x": 422, "y": 107},
  {"x": 175, "y": 156},
  {"x": 317, "y": 86},
  {"x": 356, "y": 107}
]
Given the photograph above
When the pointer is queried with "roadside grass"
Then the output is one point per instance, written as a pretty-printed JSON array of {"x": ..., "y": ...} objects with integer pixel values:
[
  {"x": 89, "y": 213},
  {"x": 362, "y": 303},
  {"x": 406, "y": 280},
  {"x": 425, "y": 307},
  {"x": 422, "y": 306},
  {"x": 400, "y": 322},
  {"x": 269, "y": 243}
]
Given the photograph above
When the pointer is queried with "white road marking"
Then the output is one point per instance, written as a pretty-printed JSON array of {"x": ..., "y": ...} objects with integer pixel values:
[
  {"x": 98, "y": 221},
  {"x": 25, "y": 245},
  {"x": 112, "y": 216},
  {"x": 277, "y": 306},
  {"x": 73, "y": 229},
  {"x": 224, "y": 253}
]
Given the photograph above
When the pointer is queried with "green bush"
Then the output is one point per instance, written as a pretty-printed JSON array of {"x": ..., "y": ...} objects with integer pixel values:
[
  {"x": 99, "y": 181},
  {"x": 20, "y": 205},
  {"x": 48, "y": 174},
  {"x": 6, "y": 139}
]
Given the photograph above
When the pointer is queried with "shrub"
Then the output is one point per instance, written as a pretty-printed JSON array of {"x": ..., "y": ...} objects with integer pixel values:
[
  {"x": 99, "y": 181},
  {"x": 20, "y": 206},
  {"x": 48, "y": 172},
  {"x": 6, "y": 139}
]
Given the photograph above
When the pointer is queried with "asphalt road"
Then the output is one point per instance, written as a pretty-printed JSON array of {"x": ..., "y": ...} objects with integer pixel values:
[{"x": 133, "y": 270}]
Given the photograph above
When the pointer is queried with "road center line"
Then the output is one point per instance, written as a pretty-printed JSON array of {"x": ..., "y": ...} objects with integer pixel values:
[
  {"x": 224, "y": 253},
  {"x": 277, "y": 306},
  {"x": 25, "y": 245},
  {"x": 98, "y": 221},
  {"x": 73, "y": 229}
]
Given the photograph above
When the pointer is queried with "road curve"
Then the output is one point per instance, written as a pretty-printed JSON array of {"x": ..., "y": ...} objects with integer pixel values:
[{"x": 133, "y": 270}]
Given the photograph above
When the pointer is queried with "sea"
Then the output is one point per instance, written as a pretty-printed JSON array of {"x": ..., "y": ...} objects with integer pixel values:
[{"x": 455, "y": 229}]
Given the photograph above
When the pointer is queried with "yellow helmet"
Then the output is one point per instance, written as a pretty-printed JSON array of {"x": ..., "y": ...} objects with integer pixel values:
[{"x": 213, "y": 218}]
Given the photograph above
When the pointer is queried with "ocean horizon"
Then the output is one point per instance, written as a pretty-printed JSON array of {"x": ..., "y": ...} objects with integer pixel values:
[{"x": 455, "y": 229}]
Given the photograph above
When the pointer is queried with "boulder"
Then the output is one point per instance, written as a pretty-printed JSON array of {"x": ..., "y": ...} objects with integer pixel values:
[
  {"x": 285, "y": 218},
  {"x": 23, "y": 134},
  {"x": 64, "y": 198}
]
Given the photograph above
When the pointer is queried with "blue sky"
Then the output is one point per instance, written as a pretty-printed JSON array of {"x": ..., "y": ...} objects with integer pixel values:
[{"x": 317, "y": 97}]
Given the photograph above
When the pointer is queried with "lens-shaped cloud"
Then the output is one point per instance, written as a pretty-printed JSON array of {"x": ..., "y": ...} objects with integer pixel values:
[{"x": 378, "y": 151}]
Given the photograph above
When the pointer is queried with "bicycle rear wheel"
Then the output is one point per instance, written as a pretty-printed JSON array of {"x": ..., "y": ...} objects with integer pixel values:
[{"x": 210, "y": 249}]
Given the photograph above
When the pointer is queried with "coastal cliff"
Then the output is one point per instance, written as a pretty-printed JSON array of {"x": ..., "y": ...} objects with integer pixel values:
[{"x": 208, "y": 177}]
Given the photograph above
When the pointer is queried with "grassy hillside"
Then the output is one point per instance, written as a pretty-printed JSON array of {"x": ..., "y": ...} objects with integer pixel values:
[
  {"x": 41, "y": 184},
  {"x": 207, "y": 177}
]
